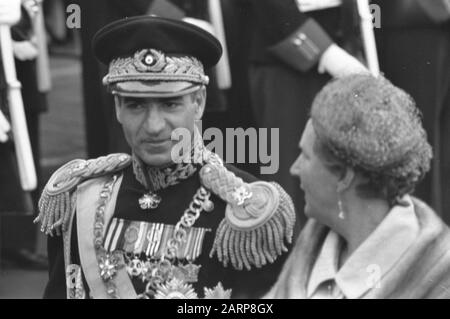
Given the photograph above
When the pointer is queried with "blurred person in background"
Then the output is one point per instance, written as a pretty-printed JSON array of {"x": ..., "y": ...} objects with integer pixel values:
[
  {"x": 14, "y": 202},
  {"x": 19, "y": 240},
  {"x": 55, "y": 21},
  {"x": 295, "y": 47},
  {"x": 414, "y": 51}
]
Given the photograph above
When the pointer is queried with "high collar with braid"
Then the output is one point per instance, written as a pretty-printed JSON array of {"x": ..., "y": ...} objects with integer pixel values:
[{"x": 156, "y": 178}]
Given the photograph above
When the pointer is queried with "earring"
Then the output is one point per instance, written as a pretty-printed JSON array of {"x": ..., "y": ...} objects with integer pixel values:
[{"x": 341, "y": 210}]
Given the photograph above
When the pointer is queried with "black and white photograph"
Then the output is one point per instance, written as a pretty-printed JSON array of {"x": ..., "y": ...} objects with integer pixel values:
[{"x": 225, "y": 149}]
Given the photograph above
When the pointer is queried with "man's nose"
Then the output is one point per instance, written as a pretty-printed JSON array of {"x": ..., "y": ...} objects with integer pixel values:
[
  {"x": 295, "y": 167},
  {"x": 154, "y": 122}
]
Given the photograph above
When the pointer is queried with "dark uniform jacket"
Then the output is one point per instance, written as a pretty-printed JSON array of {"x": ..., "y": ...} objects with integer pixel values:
[
  {"x": 281, "y": 32},
  {"x": 127, "y": 214}
]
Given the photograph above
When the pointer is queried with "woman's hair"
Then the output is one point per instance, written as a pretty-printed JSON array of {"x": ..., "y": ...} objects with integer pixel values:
[{"x": 371, "y": 125}]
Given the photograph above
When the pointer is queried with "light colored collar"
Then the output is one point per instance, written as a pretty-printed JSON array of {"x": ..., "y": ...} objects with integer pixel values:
[
  {"x": 327, "y": 263},
  {"x": 372, "y": 260}
]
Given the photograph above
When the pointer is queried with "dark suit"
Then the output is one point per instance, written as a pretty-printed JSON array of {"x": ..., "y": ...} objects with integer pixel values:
[
  {"x": 286, "y": 45},
  {"x": 414, "y": 52}
]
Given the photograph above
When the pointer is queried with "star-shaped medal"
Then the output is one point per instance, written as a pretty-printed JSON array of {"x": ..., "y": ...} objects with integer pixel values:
[
  {"x": 149, "y": 201},
  {"x": 218, "y": 292},
  {"x": 108, "y": 265}
]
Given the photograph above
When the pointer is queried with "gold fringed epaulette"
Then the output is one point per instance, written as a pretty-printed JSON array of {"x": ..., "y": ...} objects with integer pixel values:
[
  {"x": 259, "y": 219},
  {"x": 56, "y": 202}
]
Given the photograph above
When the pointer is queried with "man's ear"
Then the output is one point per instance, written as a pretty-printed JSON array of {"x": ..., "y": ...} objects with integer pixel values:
[
  {"x": 118, "y": 104},
  {"x": 200, "y": 102},
  {"x": 346, "y": 179}
]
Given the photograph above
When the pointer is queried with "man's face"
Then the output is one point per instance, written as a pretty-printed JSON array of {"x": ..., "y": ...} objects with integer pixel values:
[{"x": 148, "y": 123}]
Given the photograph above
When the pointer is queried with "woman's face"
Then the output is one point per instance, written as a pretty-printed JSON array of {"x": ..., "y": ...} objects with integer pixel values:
[{"x": 316, "y": 180}]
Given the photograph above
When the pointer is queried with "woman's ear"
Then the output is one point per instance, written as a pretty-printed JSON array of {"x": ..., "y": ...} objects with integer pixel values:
[
  {"x": 200, "y": 102},
  {"x": 346, "y": 179}
]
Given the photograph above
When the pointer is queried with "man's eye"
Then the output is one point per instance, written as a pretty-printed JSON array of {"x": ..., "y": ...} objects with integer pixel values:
[
  {"x": 172, "y": 104},
  {"x": 134, "y": 105}
]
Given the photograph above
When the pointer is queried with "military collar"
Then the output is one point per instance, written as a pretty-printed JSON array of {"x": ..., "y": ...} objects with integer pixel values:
[{"x": 157, "y": 178}]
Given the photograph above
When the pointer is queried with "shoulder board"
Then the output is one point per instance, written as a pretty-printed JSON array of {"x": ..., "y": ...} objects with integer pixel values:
[
  {"x": 259, "y": 216},
  {"x": 56, "y": 200}
]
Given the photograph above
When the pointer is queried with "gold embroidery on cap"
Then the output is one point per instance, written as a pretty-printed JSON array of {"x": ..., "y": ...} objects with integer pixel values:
[{"x": 154, "y": 65}]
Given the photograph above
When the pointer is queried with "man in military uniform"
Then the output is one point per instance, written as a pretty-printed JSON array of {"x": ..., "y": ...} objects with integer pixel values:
[{"x": 164, "y": 222}]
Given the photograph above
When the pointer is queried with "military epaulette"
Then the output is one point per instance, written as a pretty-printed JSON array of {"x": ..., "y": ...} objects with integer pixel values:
[
  {"x": 56, "y": 202},
  {"x": 259, "y": 218}
]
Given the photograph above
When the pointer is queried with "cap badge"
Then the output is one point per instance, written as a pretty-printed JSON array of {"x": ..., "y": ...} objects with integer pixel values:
[
  {"x": 149, "y": 60},
  {"x": 154, "y": 65}
]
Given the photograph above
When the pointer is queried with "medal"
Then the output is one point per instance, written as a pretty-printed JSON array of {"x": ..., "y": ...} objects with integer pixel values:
[
  {"x": 187, "y": 273},
  {"x": 149, "y": 201},
  {"x": 108, "y": 264},
  {"x": 217, "y": 292},
  {"x": 175, "y": 289},
  {"x": 135, "y": 267}
]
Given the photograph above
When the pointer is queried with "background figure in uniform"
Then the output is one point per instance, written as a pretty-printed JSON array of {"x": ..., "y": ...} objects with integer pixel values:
[
  {"x": 414, "y": 51},
  {"x": 26, "y": 53},
  {"x": 20, "y": 245},
  {"x": 14, "y": 202},
  {"x": 289, "y": 51}
]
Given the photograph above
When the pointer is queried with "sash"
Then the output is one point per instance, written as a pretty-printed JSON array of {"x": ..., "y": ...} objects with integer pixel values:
[{"x": 88, "y": 195}]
